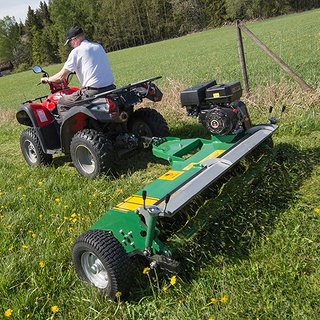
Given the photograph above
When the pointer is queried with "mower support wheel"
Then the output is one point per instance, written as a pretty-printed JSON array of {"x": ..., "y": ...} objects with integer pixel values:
[
  {"x": 148, "y": 122},
  {"x": 91, "y": 152},
  {"x": 101, "y": 260},
  {"x": 32, "y": 150}
]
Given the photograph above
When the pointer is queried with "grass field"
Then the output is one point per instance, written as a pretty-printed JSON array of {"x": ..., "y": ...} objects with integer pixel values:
[{"x": 258, "y": 257}]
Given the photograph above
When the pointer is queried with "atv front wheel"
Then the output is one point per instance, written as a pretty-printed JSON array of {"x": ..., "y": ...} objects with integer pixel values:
[
  {"x": 101, "y": 260},
  {"x": 148, "y": 122},
  {"x": 32, "y": 150},
  {"x": 91, "y": 153}
]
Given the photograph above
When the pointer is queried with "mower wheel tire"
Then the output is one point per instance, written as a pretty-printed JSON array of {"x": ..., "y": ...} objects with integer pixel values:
[
  {"x": 148, "y": 122},
  {"x": 100, "y": 259},
  {"x": 91, "y": 152},
  {"x": 31, "y": 149}
]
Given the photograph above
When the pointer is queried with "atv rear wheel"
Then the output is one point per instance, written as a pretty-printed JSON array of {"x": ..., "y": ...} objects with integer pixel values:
[
  {"x": 148, "y": 122},
  {"x": 101, "y": 260},
  {"x": 32, "y": 150},
  {"x": 91, "y": 153}
]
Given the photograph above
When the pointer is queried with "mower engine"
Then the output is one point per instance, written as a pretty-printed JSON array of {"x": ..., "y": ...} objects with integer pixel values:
[{"x": 217, "y": 107}]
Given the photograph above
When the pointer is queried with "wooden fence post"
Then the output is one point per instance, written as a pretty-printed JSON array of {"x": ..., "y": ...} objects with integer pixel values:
[
  {"x": 274, "y": 57},
  {"x": 242, "y": 58}
]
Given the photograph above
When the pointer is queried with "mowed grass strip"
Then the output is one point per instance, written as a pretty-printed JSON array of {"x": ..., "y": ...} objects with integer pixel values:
[{"x": 258, "y": 256}]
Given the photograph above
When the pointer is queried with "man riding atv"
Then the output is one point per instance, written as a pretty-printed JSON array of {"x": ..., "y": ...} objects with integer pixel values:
[
  {"x": 90, "y": 63},
  {"x": 102, "y": 126}
]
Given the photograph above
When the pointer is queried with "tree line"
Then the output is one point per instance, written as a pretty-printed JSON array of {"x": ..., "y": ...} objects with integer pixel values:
[{"x": 119, "y": 24}]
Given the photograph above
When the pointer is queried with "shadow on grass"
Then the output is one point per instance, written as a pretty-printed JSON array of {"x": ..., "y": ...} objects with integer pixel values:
[
  {"x": 234, "y": 221},
  {"x": 248, "y": 207},
  {"x": 133, "y": 161}
]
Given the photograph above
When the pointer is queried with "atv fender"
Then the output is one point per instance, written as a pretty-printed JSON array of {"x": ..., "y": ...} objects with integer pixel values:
[
  {"x": 43, "y": 123},
  {"x": 74, "y": 120},
  {"x": 25, "y": 115}
]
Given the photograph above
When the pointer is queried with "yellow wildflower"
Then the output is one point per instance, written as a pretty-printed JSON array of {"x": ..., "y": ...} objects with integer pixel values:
[
  {"x": 54, "y": 309},
  {"x": 11, "y": 248},
  {"x": 57, "y": 200},
  {"x": 173, "y": 280},
  {"x": 94, "y": 195},
  {"x": 40, "y": 183},
  {"x": 40, "y": 216},
  {"x": 211, "y": 318},
  {"x": 224, "y": 299},
  {"x": 73, "y": 215},
  {"x": 74, "y": 220},
  {"x": 146, "y": 270},
  {"x": 118, "y": 294},
  {"x": 89, "y": 203},
  {"x": 8, "y": 313},
  {"x": 19, "y": 188},
  {"x": 24, "y": 246},
  {"x": 317, "y": 210},
  {"x": 41, "y": 264},
  {"x": 214, "y": 300},
  {"x": 34, "y": 235}
]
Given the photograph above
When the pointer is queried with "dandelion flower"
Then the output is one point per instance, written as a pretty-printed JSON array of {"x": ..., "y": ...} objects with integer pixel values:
[
  {"x": 146, "y": 270},
  {"x": 8, "y": 313},
  {"x": 54, "y": 309},
  {"x": 165, "y": 289},
  {"x": 118, "y": 294},
  {"x": 24, "y": 246},
  {"x": 73, "y": 215},
  {"x": 224, "y": 299},
  {"x": 41, "y": 264},
  {"x": 317, "y": 210},
  {"x": 214, "y": 300},
  {"x": 57, "y": 200},
  {"x": 40, "y": 183},
  {"x": 173, "y": 280}
]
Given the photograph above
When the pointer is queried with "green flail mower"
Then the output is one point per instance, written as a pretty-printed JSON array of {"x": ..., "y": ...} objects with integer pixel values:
[{"x": 102, "y": 256}]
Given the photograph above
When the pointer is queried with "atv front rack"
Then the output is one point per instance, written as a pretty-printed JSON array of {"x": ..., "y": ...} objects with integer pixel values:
[{"x": 195, "y": 165}]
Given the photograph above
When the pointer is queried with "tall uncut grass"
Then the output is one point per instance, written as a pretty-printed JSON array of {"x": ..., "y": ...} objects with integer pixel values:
[{"x": 257, "y": 257}]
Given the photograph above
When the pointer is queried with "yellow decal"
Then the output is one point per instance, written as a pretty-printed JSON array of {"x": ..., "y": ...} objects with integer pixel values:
[
  {"x": 134, "y": 202},
  {"x": 190, "y": 165},
  {"x": 170, "y": 175},
  {"x": 216, "y": 95},
  {"x": 212, "y": 155}
]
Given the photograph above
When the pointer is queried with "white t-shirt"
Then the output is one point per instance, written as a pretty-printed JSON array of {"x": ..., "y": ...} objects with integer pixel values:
[{"x": 91, "y": 64}]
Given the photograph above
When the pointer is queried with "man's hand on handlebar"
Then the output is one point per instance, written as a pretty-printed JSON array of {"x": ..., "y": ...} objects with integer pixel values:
[{"x": 45, "y": 80}]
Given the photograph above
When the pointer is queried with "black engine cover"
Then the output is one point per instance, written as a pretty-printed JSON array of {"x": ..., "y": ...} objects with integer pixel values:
[{"x": 219, "y": 120}]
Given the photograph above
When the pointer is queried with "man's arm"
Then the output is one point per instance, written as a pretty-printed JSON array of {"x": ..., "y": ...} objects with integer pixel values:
[{"x": 58, "y": 77}]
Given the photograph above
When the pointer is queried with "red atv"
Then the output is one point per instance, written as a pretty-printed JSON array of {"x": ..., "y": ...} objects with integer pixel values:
[{"x": 95, "y": 131}]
